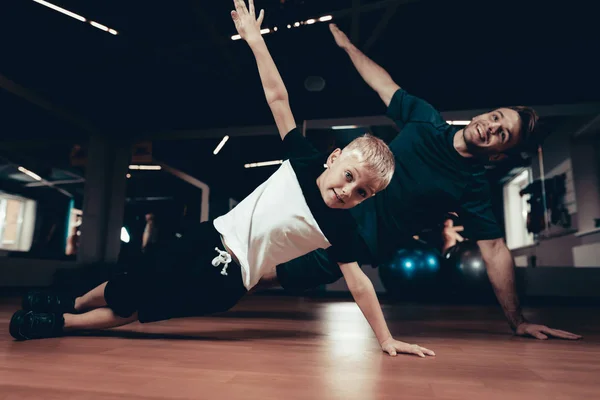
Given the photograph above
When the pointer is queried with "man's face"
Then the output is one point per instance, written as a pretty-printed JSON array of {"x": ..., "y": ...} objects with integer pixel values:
[
  {"x": 493, "y": 133},
  {"x": 346, "y": 182}
]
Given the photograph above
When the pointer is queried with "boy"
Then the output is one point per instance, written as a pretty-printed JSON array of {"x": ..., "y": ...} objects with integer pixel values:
[{"x": 300, "y": 208}]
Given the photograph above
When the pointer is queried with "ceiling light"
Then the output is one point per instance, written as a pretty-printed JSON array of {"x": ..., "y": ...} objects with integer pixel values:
[
  {"x": 325, "y": 18},
  {"x": 344, "y": 127},
  {"x": 458, "y": 122},
  {"x": 263, "y": 164},
  {"x": 77, "y": 16},
  {"x": 146, "y": 167},
  {"x": 220, "y": 145},
  {"x": 61, "y": 10},
  {"x": 29, "y": 173},
  {"x": 310, "y": 21},
  {"x": 99, "y": 26},
  {"x": 262, "y": 31}
]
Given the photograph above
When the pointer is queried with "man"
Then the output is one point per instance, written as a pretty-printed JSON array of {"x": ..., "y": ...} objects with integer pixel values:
[{"x": 438, "y": 167}]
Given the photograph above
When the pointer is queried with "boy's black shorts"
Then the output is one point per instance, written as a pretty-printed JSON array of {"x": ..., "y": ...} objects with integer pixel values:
[{"x": 178, "y": 280}]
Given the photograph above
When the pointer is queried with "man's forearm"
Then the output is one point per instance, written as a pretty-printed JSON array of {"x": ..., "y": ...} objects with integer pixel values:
[
  {"x": 367, "y": 301},
  {"x": 269, "y": 75},
  {"x": 372, "y": 73},
  {"x": 500, "y": 270}
]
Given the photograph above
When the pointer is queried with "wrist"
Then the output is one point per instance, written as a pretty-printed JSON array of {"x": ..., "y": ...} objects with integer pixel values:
[
  {"x": 517, "y": 322},
  {"x": 254, "y": 40},
  {"x": 350, "y": 48},
  {"x": 386, "y": 339}
]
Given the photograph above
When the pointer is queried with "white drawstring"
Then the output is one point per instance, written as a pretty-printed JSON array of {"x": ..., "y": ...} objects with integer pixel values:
[{"x": 223, "y": 258}]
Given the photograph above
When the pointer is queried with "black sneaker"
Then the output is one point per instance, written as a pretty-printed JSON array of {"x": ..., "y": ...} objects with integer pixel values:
[
  {"x": 49, "y": 302},
  {"x": 25, "y": 325}
]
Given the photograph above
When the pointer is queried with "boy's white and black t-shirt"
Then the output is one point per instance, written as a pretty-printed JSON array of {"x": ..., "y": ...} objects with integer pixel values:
[{"x": 286, "y": 217}]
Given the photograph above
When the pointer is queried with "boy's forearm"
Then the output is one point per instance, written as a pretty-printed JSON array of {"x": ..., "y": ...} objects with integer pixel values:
[
  {"x": 269, "y": 75},
  {"x": 367, "y": 301}
]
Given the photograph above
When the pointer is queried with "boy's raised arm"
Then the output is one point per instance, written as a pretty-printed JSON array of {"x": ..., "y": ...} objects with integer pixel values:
[{"x": 248, "y": 27}]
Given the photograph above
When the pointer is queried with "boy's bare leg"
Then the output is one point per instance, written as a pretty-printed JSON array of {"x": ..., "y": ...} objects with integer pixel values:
[
  {"x": 92, "y": 299},
  {"x": 100, "y": 318}
]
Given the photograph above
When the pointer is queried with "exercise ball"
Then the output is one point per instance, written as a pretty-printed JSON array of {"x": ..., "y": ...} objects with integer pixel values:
[
  {"x": 412, "y": 273},
  {"x": 467, "y": 272}
]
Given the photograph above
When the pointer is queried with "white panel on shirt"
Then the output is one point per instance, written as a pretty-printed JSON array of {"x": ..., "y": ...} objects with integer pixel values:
[{"x": 271, "y": 226}]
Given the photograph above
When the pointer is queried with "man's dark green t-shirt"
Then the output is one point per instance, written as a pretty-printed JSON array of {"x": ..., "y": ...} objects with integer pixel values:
[{"x": 431, "y": 178}]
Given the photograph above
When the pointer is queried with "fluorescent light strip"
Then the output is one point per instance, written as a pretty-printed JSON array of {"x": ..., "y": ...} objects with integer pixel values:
[
  {"x": 263, "y": 164},
  {"x": 458, "y": 122},
  {"x": 146, "y": 167},
  {"x": 344, "y": 127},
  {"x": 262, "y": 32},
  {"x": 29, "y": 173},
  {"x": 61, "y": 10},
  {"x": 296, "y": 25},
  {"x": 220, "y": 145},
  {"x": 77, "y": 17},
  {"x": 99, "y": 26}
]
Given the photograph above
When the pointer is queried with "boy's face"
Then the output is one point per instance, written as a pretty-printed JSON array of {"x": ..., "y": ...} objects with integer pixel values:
[{"x": 346, "y": 182}]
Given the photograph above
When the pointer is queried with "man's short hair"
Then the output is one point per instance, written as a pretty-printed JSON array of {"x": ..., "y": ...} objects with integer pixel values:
[{"x": 531, "y": 138}]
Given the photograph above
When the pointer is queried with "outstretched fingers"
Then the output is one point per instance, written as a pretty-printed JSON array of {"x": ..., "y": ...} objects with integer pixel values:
[
  {"x": 261, "y": 16},
  {"x": 240, "y": 6}
]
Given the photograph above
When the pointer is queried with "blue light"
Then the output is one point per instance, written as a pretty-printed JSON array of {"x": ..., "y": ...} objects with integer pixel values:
[{"x": 408, "y": 264}]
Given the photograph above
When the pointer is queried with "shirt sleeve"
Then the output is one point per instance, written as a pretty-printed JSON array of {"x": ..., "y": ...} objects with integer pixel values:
[
  {"x": 477, "y": 215},
  {"x": 346, "y": 253},
  {"x": 346, "y": 243},
  {"x": 297, "y": 146},
  {"x": 406, "y": 108}
]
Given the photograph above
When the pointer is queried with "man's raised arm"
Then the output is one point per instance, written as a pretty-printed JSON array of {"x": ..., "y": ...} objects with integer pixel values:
[{"x": 374, "y": 75}]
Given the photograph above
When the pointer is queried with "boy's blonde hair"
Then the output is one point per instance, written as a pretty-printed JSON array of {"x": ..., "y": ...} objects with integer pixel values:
[{"x": 377, "y": 157}]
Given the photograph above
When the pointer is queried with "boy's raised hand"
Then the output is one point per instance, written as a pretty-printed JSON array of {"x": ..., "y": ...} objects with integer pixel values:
[{"x": 246, "y": 23}]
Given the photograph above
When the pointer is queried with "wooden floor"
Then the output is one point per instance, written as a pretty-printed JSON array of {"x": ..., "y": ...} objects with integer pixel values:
[{"x": 271, "y": 347}]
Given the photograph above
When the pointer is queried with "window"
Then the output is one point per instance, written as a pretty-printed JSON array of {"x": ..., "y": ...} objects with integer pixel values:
[
  {"x": 516, "y": 209},
  {"x": 17, "y": 218}
]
